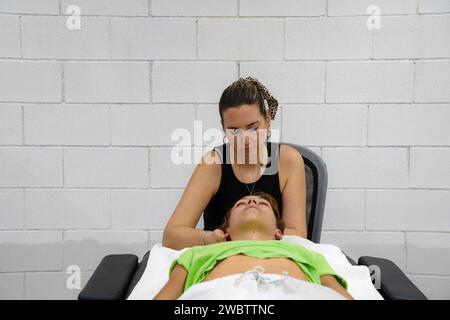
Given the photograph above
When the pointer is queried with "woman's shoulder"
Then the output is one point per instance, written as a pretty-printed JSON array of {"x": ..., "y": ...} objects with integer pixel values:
[
  {"x": 211, "y": 164},
  {"x": 289, "y": 159},
  {"x": 207, "y": 175},
  {"x": 213, "y": 155},
  {"x": 289, "y": 155}
]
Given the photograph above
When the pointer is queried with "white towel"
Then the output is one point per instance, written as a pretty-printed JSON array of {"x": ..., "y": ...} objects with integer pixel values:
[
  {"x": 156, "y": 272},
  {"x": 266, "y": 286}
]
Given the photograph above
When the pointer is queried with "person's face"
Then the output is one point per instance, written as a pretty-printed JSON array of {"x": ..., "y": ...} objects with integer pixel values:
[
  {"x": 254, "y": 212},
  {"x": 243, "y": 127}
]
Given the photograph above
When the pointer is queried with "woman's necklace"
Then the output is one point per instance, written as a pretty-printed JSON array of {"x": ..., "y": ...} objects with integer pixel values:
[
  {"x": 254, "y": 183},
  {"x": 251, "y": 192},
  {"x": 261, "y": 167}
]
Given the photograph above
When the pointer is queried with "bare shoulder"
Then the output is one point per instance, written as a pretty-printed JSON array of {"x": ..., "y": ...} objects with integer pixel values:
[
  {"x": 290, "y": 160},
  {"x": 210, "y": 168},
  {"x": 211, "y": 162},
  {"x": 289, "y": 156},
  {"x": 212, "y": 157}
]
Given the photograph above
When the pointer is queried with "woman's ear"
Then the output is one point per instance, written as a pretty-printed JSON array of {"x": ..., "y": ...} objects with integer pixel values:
[{"x": 267, "y": 119}]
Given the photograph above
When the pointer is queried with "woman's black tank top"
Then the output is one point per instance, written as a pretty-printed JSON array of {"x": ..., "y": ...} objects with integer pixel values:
[{"x": 231, "y": 189}]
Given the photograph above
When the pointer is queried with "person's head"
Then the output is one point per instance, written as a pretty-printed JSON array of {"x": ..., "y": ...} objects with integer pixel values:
[
  {"x": 254, "y": 214},
  {"x": 246, "y": 104}
]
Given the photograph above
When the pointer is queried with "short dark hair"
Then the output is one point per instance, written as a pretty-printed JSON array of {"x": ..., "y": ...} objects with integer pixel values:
[{"x": 273, "y": 203}]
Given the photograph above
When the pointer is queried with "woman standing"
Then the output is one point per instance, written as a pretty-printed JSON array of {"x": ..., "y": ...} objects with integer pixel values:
[{"x": 238, "y": 168}]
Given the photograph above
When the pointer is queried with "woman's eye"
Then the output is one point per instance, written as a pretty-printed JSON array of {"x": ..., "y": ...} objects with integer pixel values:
[
  {"x": 264, "y": 203},
  {"x": 239, "y": 204}
]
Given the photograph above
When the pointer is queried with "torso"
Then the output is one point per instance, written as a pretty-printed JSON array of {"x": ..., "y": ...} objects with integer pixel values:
[
  {"x": 241, "y": 263},
  {"x": 249, "y": 177}
]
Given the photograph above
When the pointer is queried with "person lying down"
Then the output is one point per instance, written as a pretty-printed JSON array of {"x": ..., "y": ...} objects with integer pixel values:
[{"x": 253, "y": 263}]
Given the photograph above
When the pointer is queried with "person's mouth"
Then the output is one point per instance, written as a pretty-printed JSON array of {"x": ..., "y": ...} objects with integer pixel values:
[{"x": 253, "y": 206}]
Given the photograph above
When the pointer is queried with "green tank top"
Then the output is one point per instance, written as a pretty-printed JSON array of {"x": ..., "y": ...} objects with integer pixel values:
[{"x": 200, "y": 260}]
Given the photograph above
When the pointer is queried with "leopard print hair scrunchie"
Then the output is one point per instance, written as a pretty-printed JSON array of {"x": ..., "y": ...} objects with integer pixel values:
[{"x": 270, "y": 102}]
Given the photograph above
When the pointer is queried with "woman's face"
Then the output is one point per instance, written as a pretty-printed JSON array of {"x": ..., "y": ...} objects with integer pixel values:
[
  {"x": 245, "y": 127},
  {"x": 252, "y": 211}
]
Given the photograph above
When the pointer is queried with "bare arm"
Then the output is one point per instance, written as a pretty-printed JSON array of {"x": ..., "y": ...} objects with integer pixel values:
[
  {"x": 180, "y": 231},
  {"x": 179, "y": 237},
  {"x": 173, "y": 288},
  {"x": 331, "y": 282},
  {"x": 294, "y": 232},
  {"x": 294, "y": 193}
]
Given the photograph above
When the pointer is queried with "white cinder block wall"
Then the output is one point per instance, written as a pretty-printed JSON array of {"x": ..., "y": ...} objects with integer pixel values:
[{"x": 86, "y": 118}]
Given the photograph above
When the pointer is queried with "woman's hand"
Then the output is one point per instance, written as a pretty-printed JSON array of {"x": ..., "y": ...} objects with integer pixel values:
[{"x": 215, "y": 236}]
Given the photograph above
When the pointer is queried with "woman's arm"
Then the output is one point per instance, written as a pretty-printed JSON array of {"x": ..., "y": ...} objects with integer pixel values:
[
  {"x": 179, "y": 237},
  {"x": 173, "y": 288},
  {"x": 180, "y": 231},
  {"x": 331, "y": 282},
  {"x": 294, "y": 193}
]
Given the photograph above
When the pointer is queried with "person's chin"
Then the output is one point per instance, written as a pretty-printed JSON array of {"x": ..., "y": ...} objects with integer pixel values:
[
  {"x": 252, "y": 210},
  {"x": 252, "y": 215}
]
